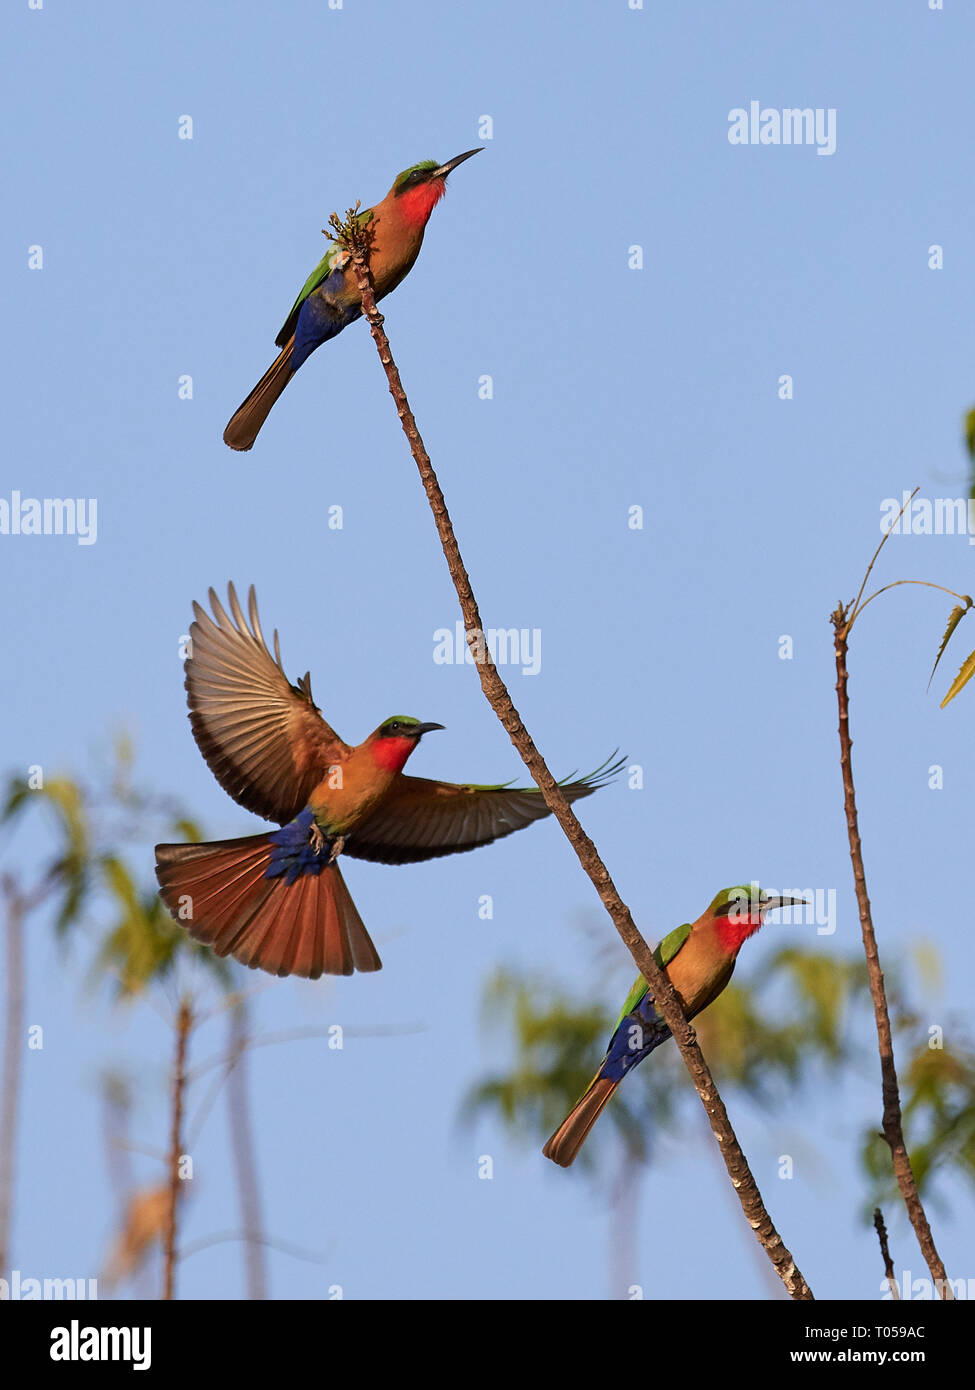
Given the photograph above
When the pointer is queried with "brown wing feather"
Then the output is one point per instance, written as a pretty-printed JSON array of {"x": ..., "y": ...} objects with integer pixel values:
[
  {"x": 422, "y": 819},
  {"x": 263, "y": 738}
]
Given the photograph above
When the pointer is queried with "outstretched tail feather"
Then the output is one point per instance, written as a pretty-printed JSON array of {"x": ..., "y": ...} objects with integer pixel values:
[
  {"x": 310, "y": 927},
  {"x": 247, "y": 419},
  {"x": 567, "y": 1140}
]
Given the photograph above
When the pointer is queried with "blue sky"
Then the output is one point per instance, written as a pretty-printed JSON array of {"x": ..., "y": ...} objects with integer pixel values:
[{"x": 612, "y": 388}]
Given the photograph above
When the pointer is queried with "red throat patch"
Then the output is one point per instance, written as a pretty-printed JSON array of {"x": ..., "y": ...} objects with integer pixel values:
[
  {"x": 734, "y": 930},
  {"x": 416, "y": 204},
  {"x": 391, "y": 753}
]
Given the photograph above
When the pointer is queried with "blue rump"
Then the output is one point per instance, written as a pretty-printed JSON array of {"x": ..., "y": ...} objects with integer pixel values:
[{"x": 293, "y": 854}]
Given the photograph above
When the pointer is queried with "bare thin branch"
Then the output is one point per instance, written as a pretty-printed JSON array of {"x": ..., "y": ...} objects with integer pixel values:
[
  {"x": 13, "y": 1049},
  {"x": 222, "y": 1237},
  {"x": 245, "y": 1158},
  {"x": 498, "y": 697},
  {"x": 184, "y": 1023},
  {"x": 18, "y": 904},
  {"x": 854, "y": 607},
  {"x": 889, "y": 1271},
  {"x": 924, "y": 583},
  {"x": 892, "y": 1123}
]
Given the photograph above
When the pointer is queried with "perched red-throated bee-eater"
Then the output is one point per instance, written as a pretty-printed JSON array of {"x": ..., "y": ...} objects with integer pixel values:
[
  {"x": 329, "y": 299},
  {"x": 277, "y": 900},
  {"x": 699, "y": 959}
]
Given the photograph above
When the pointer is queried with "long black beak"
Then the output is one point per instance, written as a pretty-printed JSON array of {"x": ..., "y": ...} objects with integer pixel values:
[
  {"x": 770, "y": 904},
  {"x": 421, "y": 729},
  {"x": 445, "y": 169}
]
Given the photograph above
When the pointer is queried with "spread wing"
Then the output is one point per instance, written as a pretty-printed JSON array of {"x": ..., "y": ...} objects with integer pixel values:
[
  {"x": 263, "y": 738},
  {"x": 334, "y": 258},
  {"x": 422, "y": 819}
]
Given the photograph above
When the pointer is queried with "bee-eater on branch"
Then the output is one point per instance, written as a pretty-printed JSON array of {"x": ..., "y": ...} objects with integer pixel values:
[
  {"x": 699, "y": 959},
  {"x": 329, "y": 300},
  {"x": 277, "y": 900}
]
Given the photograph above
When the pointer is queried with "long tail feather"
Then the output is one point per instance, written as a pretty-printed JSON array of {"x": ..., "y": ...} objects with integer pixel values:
[
  {"x": 567, "y": 1140},
  {"x": 247, "y": 419},
  {"x": 221, "y": 894}
]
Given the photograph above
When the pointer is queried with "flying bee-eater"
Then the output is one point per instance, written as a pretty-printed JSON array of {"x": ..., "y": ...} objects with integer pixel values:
[
  {"x": 278, "y": 900},
  {"x": 329, "y": 299},
  {"x": 699, "y": 960}
]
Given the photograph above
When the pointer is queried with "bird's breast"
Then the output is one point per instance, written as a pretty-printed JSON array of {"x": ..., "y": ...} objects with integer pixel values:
[
  {"x": 700, "y": 971},
  {"x": 348, "y": 795},
  {"x": 395, "y": 247}
]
